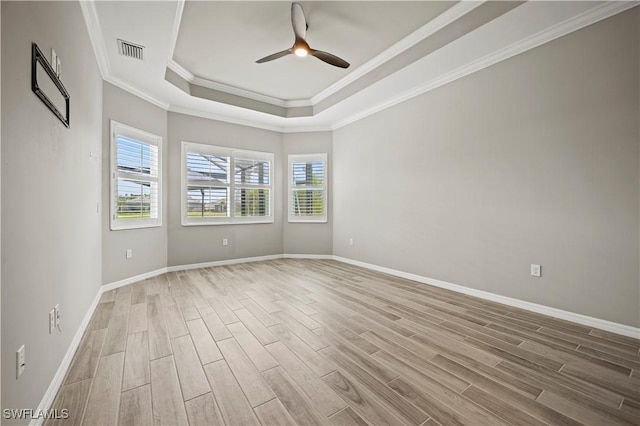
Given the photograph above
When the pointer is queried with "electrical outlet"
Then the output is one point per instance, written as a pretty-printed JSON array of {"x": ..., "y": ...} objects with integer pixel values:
[
  {"x": 56, "y": 314},
  {"x": 536, "y": 270},
  {"x": 21, "y": 364},
  {"x": 225, "y": 242},
  {"x": 52, "y": 320},
  {"x": 350, "y": 241},
  {"x": 129, "y": 253}
]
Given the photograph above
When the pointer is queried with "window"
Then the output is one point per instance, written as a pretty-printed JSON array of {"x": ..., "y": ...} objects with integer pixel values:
[
  {"x": 224, "y": 185},
  {"x": 308, "y": 188},
  {"x": 136, "y": 182}
]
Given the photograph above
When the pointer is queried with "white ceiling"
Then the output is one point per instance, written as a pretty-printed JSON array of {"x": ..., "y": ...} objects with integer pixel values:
[
  {"x": 380, "y": 76},
  {"x": 220, "y": 41}
]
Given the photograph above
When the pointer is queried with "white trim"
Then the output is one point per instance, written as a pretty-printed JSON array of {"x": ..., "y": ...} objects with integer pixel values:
[
  {"x": 294, "y": 103},
  {"x": 55, "y": 384},
  {"x": 287, "y": 124},
  {"x": 181, "y": 71},
  {"x": 223, "y": 262},
  {"x": 307, "y": 129},
  {"x": 236, "y": 222},
  {"x": 137, "y": 92},
  {"x": 224, "y": 118},
  {"x": 246, "y": 122},
  {"x": 176, "y": 28},
  {"x": 308, "y": 256},
  {"x": 622, "y": 329},
  {"x": 231, "y": 185},
  {"x": 248, "y": 94},
  {"x": 446, "y": 18},
  {"x": 134, "y": 279},
  {"x": 61, "y": 372},
  {"x": 307, "y": 158},
  {"x": 92, "y": 22},
  {"x": 556, "y": 31},
  {"x": 116, "y": 128},
  {"x": 236, "y": 91}
]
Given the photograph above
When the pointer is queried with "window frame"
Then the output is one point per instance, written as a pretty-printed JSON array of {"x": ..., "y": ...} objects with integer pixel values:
[
  {"x": 117, "y": 128},
  {"x": 307, "y": 158},
  {"x": 233, "y": 154}
]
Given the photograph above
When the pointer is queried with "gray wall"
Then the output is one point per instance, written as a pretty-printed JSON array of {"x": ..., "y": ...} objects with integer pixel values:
[
  {"x": 51, "y": 248},
  {"x": 533, "y": 160},
  {"x": 149, "y": 245},
  {"x": 195, "y": 244},
  {"x": 307, "y": 238}
]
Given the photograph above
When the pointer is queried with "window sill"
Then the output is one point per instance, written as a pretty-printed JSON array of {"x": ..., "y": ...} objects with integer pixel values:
[
  {"x": 129, "y": 227},
  {"x": 323, "y": 220},
  {"x": 252, "y": 222}
]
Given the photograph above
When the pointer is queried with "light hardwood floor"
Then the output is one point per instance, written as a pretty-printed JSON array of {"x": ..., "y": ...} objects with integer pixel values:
[{"x": 320, "y": 342}]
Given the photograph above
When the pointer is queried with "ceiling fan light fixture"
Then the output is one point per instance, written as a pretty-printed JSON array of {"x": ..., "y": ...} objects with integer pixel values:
[{"x": 300, "y": 46}]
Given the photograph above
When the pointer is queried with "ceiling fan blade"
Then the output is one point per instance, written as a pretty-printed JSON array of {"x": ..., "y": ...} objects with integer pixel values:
[
  {"x": 330, "y": 59},
  {"x": 298, "y": 21},
  {"x": 274, "y": 56}
]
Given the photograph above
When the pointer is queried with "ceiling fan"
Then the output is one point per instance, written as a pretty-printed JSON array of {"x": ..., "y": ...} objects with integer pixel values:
[{"x": 300, "y": 46}]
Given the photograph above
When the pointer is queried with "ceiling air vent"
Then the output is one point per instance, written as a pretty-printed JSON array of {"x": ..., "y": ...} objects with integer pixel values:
[{"x": 131, "y": 50}]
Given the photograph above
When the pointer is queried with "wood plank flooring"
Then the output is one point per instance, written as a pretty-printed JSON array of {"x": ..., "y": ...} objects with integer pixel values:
[{"x": 299, "y": 342}]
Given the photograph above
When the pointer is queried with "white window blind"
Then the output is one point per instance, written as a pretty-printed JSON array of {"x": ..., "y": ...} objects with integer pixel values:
[
  {"x": 207, "y": 178},
  {"x": 252, "y": 192},
  {"x": 135, "y": 178},
  {"x": 308, "y": 188},
  {"x": 223, "y": 185}
]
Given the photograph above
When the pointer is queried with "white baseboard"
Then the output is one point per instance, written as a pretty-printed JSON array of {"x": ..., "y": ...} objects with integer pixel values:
[
  {"x": 58, "y": 378},
  {"x": 134, "y": 279},
  {"x": 61, "y": 373},
  {"x": 622, "y": 329},
  {"x": 223, "y": 262},
  {"x": 308, "y": 256},
  {"x": 51, "y": 392},
  {"x": 160, "y": 271},
  {"x": 588, "y": 321}
]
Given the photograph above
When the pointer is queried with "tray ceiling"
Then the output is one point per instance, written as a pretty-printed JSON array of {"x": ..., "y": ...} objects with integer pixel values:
[
  {"x": 220, "y": 41},
  {"x": 200, "y": 57}
]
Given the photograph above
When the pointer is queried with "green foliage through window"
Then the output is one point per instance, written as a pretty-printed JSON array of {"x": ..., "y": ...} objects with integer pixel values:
[
  {"x": 307, "y": 188},
  {"x": 225, "y": 183}
]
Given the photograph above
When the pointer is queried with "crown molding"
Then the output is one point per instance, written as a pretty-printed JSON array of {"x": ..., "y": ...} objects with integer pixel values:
[
  {"x": 176, "y": 28},
  {"x": 597, "y": 13},
  {"x": 236, "y": 91},
  {"x": 226, "y": 118},
  {"x": 92, "y": 22},
  {"x": 214, "y": 85},
  {"x": 444, "y": 19},
  {"x": 137, "y": 92},
  {"x": 247, "y": 122},
  {"x": 232, "y": 90},
  {"x": 294, "y": 103},
  {"x": 585, "y": 19},
  {"x": 181, "y": 71},
  {"x": 307, "y": 129}
]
